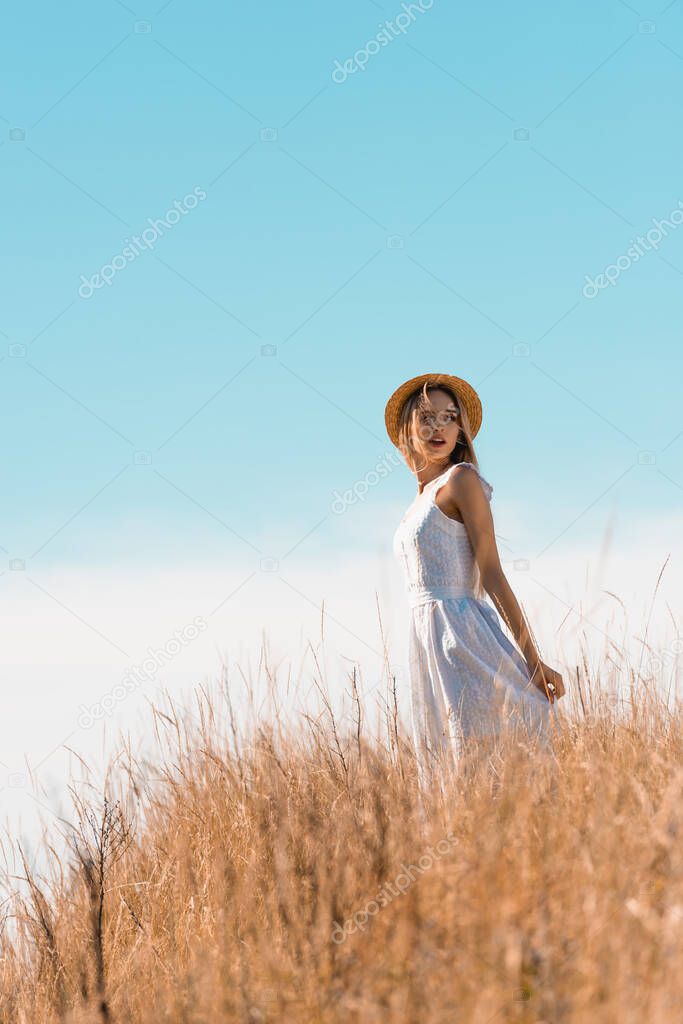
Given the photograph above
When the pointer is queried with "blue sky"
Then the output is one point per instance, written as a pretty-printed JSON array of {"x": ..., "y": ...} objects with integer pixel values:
[
  {"x": 289, "y": 249},
  {"x": 439, "y": 210}
]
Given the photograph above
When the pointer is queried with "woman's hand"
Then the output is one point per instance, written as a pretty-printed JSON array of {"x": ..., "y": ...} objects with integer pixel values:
[{"x": 543, "y": 677}]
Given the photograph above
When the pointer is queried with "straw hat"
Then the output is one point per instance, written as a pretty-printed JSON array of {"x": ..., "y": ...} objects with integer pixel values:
[{"x": 466, "y": 394}]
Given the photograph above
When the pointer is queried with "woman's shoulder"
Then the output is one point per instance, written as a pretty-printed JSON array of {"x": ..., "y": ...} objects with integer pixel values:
[{"x": 456, "y": 471}]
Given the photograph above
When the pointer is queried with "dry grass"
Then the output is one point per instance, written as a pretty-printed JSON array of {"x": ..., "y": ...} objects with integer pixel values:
[{"x": 213, "y": 883}]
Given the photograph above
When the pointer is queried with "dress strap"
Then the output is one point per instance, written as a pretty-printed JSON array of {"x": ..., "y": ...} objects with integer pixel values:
[{"x": 488, "y": 488}]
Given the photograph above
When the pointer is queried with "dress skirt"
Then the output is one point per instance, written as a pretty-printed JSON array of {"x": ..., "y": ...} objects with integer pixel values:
[{"x": 468, "y": 679}]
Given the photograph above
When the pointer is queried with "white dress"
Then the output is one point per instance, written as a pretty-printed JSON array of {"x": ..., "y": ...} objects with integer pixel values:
[{"x": 466, "y": 676}]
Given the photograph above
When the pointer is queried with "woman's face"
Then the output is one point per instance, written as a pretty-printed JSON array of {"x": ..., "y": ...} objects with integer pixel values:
[{"x": 436, "y": 430}]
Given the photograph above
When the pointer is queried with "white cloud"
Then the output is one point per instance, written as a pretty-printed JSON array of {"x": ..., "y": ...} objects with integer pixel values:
[{"x": 73, "y": 634}]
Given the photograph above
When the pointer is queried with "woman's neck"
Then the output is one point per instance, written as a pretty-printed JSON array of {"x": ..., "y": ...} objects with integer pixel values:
[{"x": 429, "y": 473}]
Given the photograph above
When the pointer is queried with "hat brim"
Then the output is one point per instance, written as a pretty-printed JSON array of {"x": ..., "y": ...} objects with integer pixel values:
[{"x": 466, "y": 395}]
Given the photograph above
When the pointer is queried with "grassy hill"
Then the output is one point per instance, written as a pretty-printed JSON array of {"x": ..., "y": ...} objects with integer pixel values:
[{"x": 295, "y": 874}]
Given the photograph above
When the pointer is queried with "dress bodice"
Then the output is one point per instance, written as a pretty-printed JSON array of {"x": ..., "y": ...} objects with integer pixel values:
[{"x": 434, "y": 550}]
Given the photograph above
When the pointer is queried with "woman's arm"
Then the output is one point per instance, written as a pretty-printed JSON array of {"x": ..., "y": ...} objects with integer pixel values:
[{"x": 464, "y": 494}]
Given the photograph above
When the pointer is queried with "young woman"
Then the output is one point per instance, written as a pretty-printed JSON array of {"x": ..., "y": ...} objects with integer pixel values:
[{"x": 467, "y": 678}]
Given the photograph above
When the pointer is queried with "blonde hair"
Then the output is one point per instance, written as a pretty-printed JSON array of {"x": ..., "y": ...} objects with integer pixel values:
[{"x": 414, "y": 453}]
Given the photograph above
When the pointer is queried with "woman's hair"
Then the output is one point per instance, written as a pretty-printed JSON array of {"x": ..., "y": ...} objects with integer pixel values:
[{"x": 420, "y": 402}]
